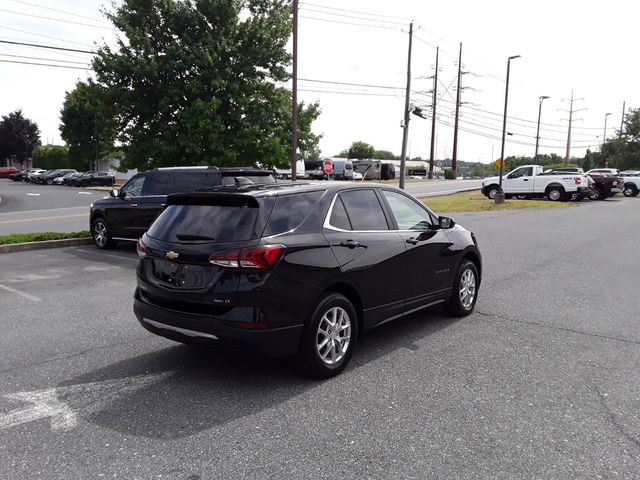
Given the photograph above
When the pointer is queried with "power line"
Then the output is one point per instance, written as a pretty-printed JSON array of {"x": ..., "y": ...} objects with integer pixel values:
[
  {"x": 43, "y": 36},
  {"x": 41, "y": 58},
  {"x": 59, "y": 11},
  {"x": 45, "y": 64},
  {"x": 351, "y": 84},
  {"x": 382, "y": 27},
  {"x": 55, "y": 19},
  {"x": 356, "y": 11},
  {"x": 346, "y": 92},
  {"x": 351, "y": 16},
  {"x": 47, "y": 46}
]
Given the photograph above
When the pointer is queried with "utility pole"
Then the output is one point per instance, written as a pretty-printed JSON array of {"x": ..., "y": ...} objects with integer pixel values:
[
  {"x": 543, "y": 97},
  {"x": 571, "y": 112},
  {"x": 605, "y": 164},
  {"x": 433, "y": 117},
  {"x": 405, "y": 125},
  {"x": 95, "y": 134},
  {"x": 454, "y": 157},
  {"x": 624, "y": 104},
  {"x": 294, "y": 95}
]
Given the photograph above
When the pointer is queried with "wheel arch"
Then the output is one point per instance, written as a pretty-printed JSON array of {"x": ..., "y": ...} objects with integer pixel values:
[
  {"x": 350, "y": 292},
  {"x": 477, "y": 261},
  {"x": 555, "y": 185}
]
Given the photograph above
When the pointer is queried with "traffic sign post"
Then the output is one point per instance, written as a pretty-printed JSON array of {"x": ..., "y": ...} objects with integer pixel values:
[{"x": 327, "y": 167}]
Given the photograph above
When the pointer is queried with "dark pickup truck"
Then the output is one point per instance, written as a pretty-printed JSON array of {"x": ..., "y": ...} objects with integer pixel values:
[{"x": 606, "y": 185}]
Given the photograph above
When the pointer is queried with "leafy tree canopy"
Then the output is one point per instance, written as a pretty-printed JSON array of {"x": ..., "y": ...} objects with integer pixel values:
[
  {"x": 52, "y": 156},
  {"x": 197, "y": 82},
  {"x": 18, "y": 136},
  {"x": 623, "y": 151},
  {"x": 360, "y": 150},
  {"x": 87, "y": 124}
]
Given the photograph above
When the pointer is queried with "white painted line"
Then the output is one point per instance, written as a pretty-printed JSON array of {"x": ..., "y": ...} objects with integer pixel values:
[
  {"x": 34, "y": 194},
  {"x": 66, "y": 405},
  {"x": 85, "y": 193},
  {"x": 107, "y": 254},
  {"x": 26, "y": 295}
]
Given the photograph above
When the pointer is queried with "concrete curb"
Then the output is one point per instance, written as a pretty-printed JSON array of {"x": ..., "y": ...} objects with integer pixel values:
[
  {"x": 26, "y": 247},
  {"x": 444, "y": 193}
]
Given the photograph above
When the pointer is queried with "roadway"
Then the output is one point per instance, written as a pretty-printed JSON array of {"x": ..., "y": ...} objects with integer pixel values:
[
  {"x": 28, "y": 208},
  {"x": 542, "y": 381}
]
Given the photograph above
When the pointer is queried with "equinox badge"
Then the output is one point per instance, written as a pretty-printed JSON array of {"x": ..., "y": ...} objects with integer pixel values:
[{"x": 171, "y": 255}]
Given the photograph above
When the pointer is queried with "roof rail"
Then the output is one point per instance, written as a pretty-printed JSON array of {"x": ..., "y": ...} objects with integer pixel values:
[{"x": 194, "y": 167}]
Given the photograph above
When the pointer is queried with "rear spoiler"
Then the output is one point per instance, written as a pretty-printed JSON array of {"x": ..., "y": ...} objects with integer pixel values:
[{"x": 213, "y": 198}]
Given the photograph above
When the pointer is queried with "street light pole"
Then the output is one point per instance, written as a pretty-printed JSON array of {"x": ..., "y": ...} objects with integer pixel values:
[
  {"x": 544, "y": 97},
  {"x": 500, "y": 195},
  {"x": 604, "y": 140}
]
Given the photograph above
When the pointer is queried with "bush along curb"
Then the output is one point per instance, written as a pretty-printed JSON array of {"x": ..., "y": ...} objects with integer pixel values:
[{"x": 25, "y": 247}]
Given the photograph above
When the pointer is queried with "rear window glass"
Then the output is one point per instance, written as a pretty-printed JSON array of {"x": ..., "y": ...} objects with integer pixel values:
[
  {"x": 230, "y": 181},
  {"x": 290, "y": 211},
  {"x": 206, "y": 223},
  {"x": 364, "y": 210},
  {"x": 190, "y": 181}
]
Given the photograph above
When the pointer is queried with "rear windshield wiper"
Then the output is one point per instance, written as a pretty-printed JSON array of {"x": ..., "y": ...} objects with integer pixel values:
[{"x": 188, "y": 236}]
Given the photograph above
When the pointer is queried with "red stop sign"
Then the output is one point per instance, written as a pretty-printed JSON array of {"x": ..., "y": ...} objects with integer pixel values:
[{"x": 327, "y": 167}]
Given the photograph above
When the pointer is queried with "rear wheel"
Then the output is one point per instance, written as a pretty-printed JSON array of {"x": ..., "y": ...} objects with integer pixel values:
[
  {"x": 597, "y": 194},
  {"x": 630, "y": 190},
  {"x": 329, "y": 337},
  {"x": 465, "y": 290},
  {"x": 102, "y": 234},
  {"x": 555, "y": 194}
]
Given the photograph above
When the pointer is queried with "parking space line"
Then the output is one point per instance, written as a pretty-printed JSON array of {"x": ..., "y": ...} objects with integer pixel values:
[
  {"x": 26, "y": 295},
  {"x": 106, "y": 254},
  {"x": 42, "y": 210}
]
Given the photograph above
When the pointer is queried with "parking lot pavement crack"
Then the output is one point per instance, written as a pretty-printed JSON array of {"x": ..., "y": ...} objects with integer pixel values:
[
  {"x": 602, "y": 399},
  {"x": 71, "y": 355},
  {"x": 562, "y": 329}
]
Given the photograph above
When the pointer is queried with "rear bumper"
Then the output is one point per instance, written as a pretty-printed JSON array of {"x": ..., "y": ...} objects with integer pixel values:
[{"x": 283, "y": 341}]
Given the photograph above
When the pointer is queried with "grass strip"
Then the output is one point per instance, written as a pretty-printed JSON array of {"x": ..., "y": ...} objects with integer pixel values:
[
  {"x": 474, "y": 201},
  {"x": 38, "y": 237}
]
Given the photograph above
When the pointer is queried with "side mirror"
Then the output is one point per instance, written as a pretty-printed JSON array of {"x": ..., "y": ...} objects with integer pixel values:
[
  {"x": 115, "y": 193},
  {"x": 446, "y": 222}
]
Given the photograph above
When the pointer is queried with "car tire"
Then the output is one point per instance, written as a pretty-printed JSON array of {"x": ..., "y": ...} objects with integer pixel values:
[
  {"x": 329, "y": 337},
  {"x": 597, "y": 194},
  {"x": 49, "y": 181},
  {"x": 101, "y": 234},
  {"x": 465, "y": 290},
  {"x": 523, "y": 197},
  {"x": 508, "y": 196},
  {"x": 573, "y": 197},
  {"x": 492, "y": 192},
  {"x": 555, "y": 194},
  {"x": 630, "y": 191}
]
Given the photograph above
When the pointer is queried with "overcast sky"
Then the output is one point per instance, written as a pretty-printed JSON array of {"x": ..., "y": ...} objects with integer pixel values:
[{"x": 587, "y": 46}]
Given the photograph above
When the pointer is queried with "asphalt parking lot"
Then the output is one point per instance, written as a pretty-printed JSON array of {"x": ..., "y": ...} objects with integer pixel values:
[{"x": 542, "y": 381}]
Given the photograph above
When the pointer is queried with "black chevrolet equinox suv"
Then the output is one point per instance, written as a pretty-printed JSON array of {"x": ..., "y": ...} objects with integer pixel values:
[
  {"x": 299, "y": 269},
  {"x": 132, "y": 209}
]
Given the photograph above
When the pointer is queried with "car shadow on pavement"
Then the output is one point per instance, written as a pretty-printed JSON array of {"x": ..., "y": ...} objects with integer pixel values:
[{"x": 207, "y": 388}]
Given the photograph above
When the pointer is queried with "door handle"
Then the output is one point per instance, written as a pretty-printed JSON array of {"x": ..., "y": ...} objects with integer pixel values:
[
  {"x": 134, "y": 204},
  {"x": 526, "y": 179},
  {"x": 350, "y": 244},
  {"x": 412, "y": 240}
]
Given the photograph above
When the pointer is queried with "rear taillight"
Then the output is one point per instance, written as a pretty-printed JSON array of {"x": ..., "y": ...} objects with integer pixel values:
[
  {"x": 578, "y": 180},
  {"x": 141, "y": 248},
  {"x": 263, "y": 257}
]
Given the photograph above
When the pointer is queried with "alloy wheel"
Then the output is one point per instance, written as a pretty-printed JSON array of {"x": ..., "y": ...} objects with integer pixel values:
[
  {"x": 100, "y": 233},
  {"x": 467, "y": 288},
  {"x": 333, "y": 336}
]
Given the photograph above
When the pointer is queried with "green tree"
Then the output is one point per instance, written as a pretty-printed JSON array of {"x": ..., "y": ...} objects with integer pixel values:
[
  {"x": 87, "y": 125},
  {"x": 197, "y": 82},
  {"x": 18, "y": 137},
  {"x": 360, "y": 150},
  {"x": 623, "y": 151},
  {"x": 385, "y": 155},
  {"x": 51, "y": 156}
]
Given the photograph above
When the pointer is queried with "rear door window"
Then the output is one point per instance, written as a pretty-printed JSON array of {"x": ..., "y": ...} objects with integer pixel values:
[
  {"x": 290, "y": 211},
  {"x": 339, "y": 217},
  {"x": 157, "y": 184},
  {"x": 364, "y": 210},
  {"x": 191, "y": 181},
  {"x": 204, "y": 223}
]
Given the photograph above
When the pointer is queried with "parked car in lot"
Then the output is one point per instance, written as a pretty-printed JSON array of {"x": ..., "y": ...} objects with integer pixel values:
[
  {"x": 299, "y": 269},
  {"x": 67, "y": 176},
  {"x": 531, "y": 181},
  {"x": 6, "y": 171},
  {"x": 586, "y": 180},
  {"x": 89, "y": 179},
  {"x": 50, "y": 176},
  {"x": 631, "y": 181},
  {"x": 68, "y": 179},
  {"x": 607, "y": 183},
  {"x": 131, "y": 210},
  {"x": 32, "y": 173},
  {"x": 18, "y": 176}
]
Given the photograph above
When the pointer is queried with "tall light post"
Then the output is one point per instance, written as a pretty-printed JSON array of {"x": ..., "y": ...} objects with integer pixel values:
[
  {"x": 544, "y": 97},
  {"x": 604, "y": 140},
  {"x": 500, "y": 195}
]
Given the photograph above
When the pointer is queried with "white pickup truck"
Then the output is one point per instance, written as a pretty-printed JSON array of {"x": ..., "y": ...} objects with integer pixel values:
[
  {"x": 531, "y": 181},
  {"x": 631, "y": 179}
]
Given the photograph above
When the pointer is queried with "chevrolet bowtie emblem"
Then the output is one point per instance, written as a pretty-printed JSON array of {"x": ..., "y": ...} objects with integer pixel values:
[{"x": 171, "y": 255}]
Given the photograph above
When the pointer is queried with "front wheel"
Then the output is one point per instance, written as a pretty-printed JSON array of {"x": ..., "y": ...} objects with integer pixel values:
[
  {"x": 102, "y": 234},
  {"x": 630, "y": 191},
  {"x": 465, "y": 290},
  {"x": 492, "y": 192},
  {"x": 329, "y": 338}
]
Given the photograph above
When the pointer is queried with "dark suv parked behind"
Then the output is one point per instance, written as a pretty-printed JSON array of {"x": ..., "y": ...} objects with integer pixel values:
[
  {"x": 131, "y": 210},
  {"x": 299, "y": 268}
]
